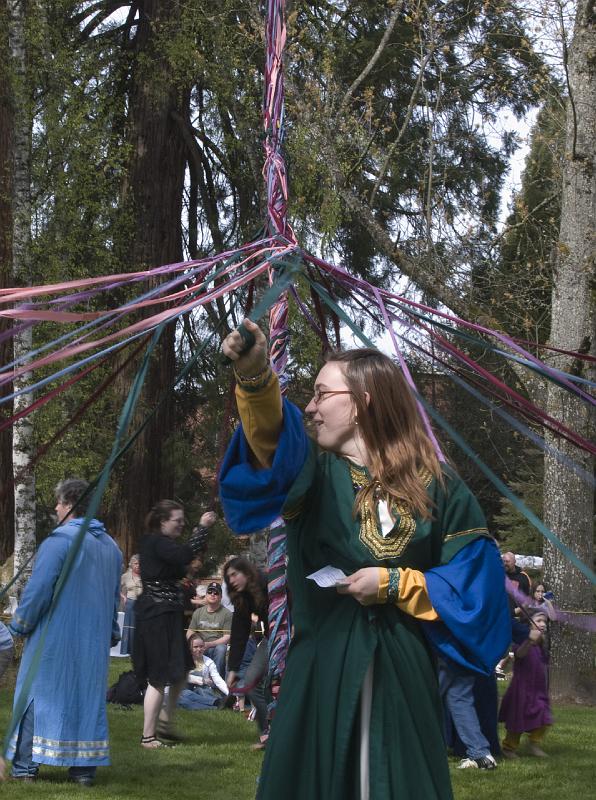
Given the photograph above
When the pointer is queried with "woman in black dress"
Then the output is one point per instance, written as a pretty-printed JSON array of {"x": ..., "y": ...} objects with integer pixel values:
[
  {"x": 247, "y": 588},
  {"x": 160, "y": 654}
]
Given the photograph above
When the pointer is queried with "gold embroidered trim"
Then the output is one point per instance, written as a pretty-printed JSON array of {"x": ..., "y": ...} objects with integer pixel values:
[
  {"x": 392, "y": 545},
  {"x": 383, "y": 585},
  {"x": 464, "y": 533}
]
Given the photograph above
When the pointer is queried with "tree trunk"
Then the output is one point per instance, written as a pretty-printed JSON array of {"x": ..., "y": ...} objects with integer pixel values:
[
  {"x": 152, "y": 195},
  {"x": 6, "y": 134},
  {"x": 24, "y": 479},
  {"x": 568, "y": 501}
]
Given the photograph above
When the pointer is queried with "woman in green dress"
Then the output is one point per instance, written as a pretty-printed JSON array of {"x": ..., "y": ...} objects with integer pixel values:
[{"x": 359, "y": 713}]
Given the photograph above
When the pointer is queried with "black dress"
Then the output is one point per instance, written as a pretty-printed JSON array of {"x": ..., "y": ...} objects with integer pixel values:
[
  {"x": 242, "y": 622},
  {"x": 161, "y": 654}
]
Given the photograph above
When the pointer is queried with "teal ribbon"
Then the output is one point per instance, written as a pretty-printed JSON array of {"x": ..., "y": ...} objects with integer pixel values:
[
  {"x": 474, "y": 341},
  {"x": 125, "y": 417},
  {"x": 285, "y": 277}
]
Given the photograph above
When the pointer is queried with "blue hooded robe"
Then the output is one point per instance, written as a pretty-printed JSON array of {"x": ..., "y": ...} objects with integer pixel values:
[{"x": 69, "y": 689}]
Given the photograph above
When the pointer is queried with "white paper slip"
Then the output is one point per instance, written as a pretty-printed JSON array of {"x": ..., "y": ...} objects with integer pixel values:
[{"x": 327, "y": 577}]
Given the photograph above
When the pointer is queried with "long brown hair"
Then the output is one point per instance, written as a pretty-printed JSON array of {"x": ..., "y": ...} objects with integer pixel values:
[
  {"x": 253, "y": 584},
  {"x": 399, "y": 449}
]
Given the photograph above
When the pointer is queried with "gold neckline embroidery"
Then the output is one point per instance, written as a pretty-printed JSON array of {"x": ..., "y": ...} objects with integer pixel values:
[{"x": 371, "y": 536}]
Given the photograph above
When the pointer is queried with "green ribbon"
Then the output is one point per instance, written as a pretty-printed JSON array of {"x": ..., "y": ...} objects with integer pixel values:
[
  {"x": 289, "y": 269},
  {"x": 21, "y": 701}
]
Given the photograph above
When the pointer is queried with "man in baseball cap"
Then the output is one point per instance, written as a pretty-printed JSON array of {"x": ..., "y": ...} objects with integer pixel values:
[{"x": 214, "y": 623}]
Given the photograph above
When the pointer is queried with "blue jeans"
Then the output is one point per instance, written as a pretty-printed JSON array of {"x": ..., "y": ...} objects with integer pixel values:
[
  {"x": 457, "y": 692},
  {"x": 23, "y": 765},
  {"x": 256, "y": 672},
  {"x": 199, "y": 698},
  {"x": 218, "y": 654}
]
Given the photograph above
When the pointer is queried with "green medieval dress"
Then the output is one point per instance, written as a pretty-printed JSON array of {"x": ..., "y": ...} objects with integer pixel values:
[{"x": 313, "y": 751}]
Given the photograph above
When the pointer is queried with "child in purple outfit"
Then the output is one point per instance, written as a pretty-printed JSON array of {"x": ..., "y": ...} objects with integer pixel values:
[{"x": 525, "y": 707}]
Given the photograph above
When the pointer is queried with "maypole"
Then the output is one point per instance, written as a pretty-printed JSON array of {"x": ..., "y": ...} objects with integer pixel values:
[{"x": 274, "y": 173}]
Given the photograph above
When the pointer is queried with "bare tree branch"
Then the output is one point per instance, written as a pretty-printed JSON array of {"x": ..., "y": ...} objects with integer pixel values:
[{"x": 375, "y": 57}]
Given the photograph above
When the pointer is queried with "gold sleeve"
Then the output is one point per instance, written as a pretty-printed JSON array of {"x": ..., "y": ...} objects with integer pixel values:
[
  {"x": 412, "y": 596},
  {"x": 261, "y": 415}
]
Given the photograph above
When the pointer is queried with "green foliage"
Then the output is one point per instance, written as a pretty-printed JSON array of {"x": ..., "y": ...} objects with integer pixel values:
[
  {"x": 486, "y": 433},
  {"x": 418, "y": 151},
  {"x": 82, "y": 450},
  {"x": 521, "y": 281}
]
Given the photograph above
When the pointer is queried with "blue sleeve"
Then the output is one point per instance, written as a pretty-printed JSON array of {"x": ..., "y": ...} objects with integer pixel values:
[
  {"x": 37, "y": 595},
  {"x": 469, "y": 596},
  {"x": 252, "y": 498}
]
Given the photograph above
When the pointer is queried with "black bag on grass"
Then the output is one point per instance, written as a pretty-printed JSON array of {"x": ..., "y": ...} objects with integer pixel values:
[{"x": 127, "y": 690}]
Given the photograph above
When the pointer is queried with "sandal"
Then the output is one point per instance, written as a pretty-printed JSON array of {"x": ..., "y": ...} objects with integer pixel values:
[{"x": 151, "y": 743}]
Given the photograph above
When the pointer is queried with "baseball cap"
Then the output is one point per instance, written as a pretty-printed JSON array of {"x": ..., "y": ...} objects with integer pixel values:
[{"x": 214, "y": 587}]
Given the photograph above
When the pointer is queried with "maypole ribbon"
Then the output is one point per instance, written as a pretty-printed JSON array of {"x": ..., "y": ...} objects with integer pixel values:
[
  {"x": 503, "y": 489},
  {"x": 20, "y": 705},
  {"x": 274, "y": 172},
  {"x": 582, "y": 620}
]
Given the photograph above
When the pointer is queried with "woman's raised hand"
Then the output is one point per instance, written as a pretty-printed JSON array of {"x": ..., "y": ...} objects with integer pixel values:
[
  {"x": 253, "y": 361},
  {"x": 208, "y": 519},
  {"x": 363, "y": 585}
]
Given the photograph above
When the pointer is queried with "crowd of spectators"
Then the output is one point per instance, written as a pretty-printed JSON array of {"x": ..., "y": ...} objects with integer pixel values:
[{"x": 226, "y": 658}]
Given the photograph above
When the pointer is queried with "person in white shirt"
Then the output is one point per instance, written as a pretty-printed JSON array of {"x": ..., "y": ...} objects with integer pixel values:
[{"x": 203, "y": 680}]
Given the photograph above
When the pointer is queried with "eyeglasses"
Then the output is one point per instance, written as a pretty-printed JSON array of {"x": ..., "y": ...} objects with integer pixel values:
[
  {"x": 211, "y": 591},
  {"x": 320, "y": 394}
]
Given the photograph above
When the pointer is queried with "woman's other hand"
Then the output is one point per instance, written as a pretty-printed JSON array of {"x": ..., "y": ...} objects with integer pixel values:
[
  {"x": 255, "y": 360},
  {"x": 363, "y": 585},
  {"x": 231, "y": 679}
]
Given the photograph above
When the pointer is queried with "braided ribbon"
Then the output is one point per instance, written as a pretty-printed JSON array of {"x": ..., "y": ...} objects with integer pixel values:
[{"x": 274, "y": 173}]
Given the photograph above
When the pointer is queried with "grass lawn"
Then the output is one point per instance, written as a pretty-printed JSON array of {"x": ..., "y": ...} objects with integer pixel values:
[{"x": 217, "y": 763}]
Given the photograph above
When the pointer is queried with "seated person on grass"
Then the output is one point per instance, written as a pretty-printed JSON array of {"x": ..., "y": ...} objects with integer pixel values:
[{"x": 203, "y": 680}]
